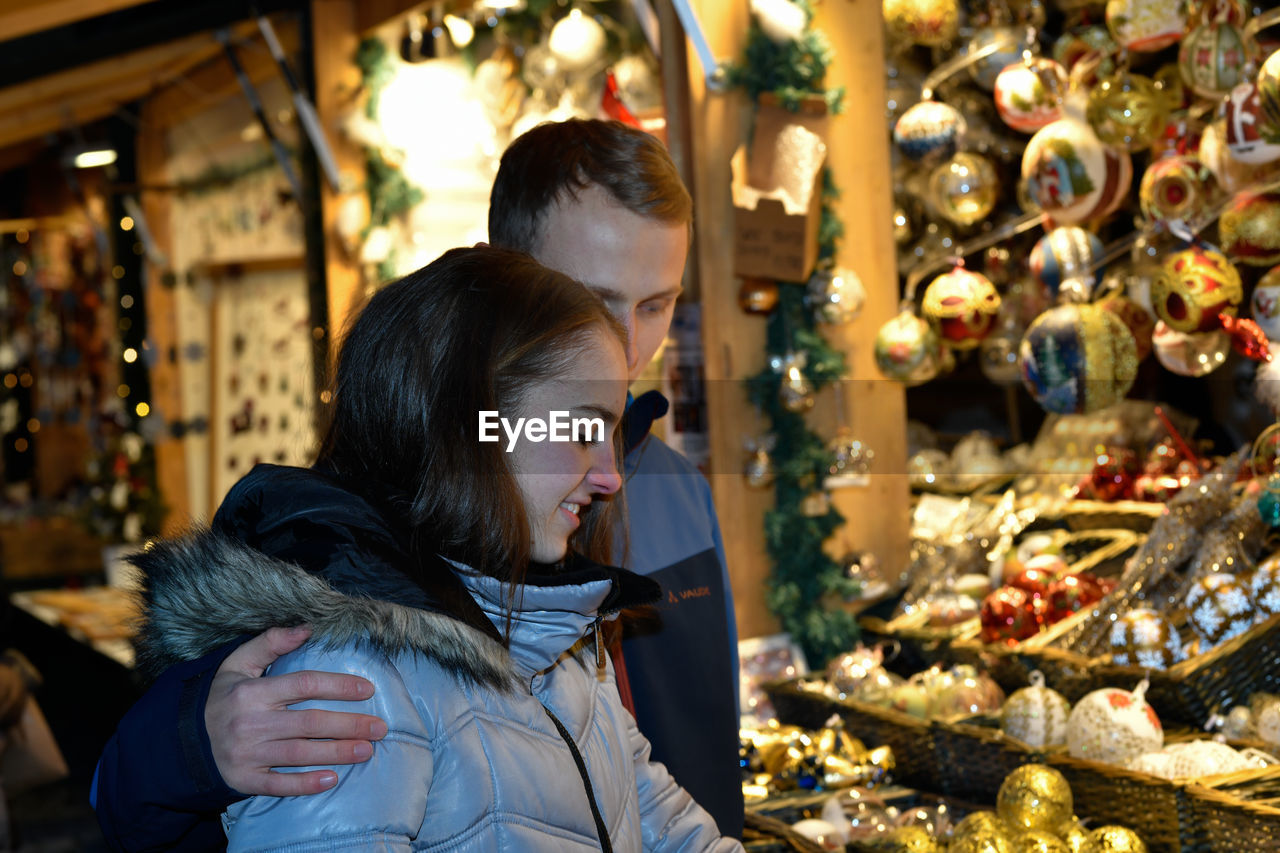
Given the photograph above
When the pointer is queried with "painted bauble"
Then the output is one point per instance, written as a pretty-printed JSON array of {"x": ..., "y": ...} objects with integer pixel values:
[
  {"x": 1189, "y": 353},
  {"x": 1177, "y": 186},
  {"x": 1072, "y": 593},
  {"x": 1113, "y": 726},
  {"x": 1249, "y": 229},
  {"x": 1006, "y": 617},
  {"x": 1269, "y": 89},
  {"x": 1078, "y": 42},
  {"x": 1194, "y": 287},
  {"x": 1077, "y": 359},
  {"x": 929, "y": 131},
  {"x": 1145, "y": 638},
  {"x": 908, "y": 349},
  {"x": 1264, "y": 587},
  {"x": 965, "y": 188},
  {"x": 1036, "y": 715},
  {"x": 1145, "y": 25},
  {"x": 1067, "y": 252},
  {"x": 1035, "y": 796},
  {"x": 962, "y": 306},
  {"x": 1218, "y": 608},
  {"x": 1135, "y": 318},
  {"x": 1127, "y": 110},
  {"x": 1250, "y": 137},
  {"x": 1008, "y": 51},
  {"x": 1029, "y": 95},
  {"x": 1072, "y": 175},
  {"x": 1265, "y": 303},
  {"x": 577, "y": 41},
  {"x": 836, "y": 295},
  {"x": 1212, "y": 58},
  {"x": 928, "y": 22},
  {"x": 1114, "y": 839}
]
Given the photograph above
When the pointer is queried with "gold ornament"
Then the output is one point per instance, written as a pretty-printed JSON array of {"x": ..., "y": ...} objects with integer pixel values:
[
  {"x": 1127, "y": 110},
  {"x": 1075, "y": 836},
  {"x": 965, "y": 188},
  {"x": 983, "y": 823},
  {"x": 1036, "y": 841},
  {"x": 910, "y": 839},
  {"x": 1114, "y": 839},
  {"x": 1035, "y": 796},
  {"x": 983, "y": 843},
  {"x": 928, "y": 22},
  {"x": 758, "y": 295}
]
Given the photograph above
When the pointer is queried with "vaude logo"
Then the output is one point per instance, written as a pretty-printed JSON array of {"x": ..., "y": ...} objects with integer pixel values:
[{"x": 560, "y": 427}]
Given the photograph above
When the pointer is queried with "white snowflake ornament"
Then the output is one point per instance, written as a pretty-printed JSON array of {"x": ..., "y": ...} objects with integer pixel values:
[{"x": 1218, "y": 608}]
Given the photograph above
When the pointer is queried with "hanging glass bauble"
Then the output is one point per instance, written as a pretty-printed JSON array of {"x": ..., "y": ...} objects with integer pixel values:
[
  {"x": 758, "y": 295},
  {"x": 1072, "y": 174},
  {"x": 908, "y": 349},
  {"x": 1065, "y": 253},
  {"x": 1127, "y": 110},
  {"x": 965, "y": 188},
  {"x": 1250, "y": 137},
  {"x": 1177, "y": 186},
  {"x": 1212, "y": 58},
  {"x": 1189, "y": 354},
  {"x": 758, "y": 468},
  {"x": 933, "y": 23},
  {"x": 1249, "y": 229},
  {"x": 1078, "y": 359},
  {"x": 796, "y": 391},
  {"x": 902, "y": 228},
  {"x": 1146, "y": 25},
  {"x": 985, "y": 70},
  {"x": 1194, "y": 287},
  {"x": 928, "y": 131},
  {"x": 577, "y": 41},
  {"x": 850, "y": 460},
  {"x": 962, "y": 306},
  {"x": 1028, "y": 94},
  {"x": 835, "y": 295}
]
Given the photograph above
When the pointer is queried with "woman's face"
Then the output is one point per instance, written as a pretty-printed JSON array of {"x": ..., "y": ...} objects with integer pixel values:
[{"x": 573, "y": 463}]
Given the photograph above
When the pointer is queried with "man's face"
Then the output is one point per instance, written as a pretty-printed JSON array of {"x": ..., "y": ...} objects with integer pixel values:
[{"x": 631, "y": 262}]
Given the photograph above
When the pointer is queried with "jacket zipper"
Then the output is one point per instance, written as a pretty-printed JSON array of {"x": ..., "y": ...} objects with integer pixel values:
[{"x": 601, "y": 831}]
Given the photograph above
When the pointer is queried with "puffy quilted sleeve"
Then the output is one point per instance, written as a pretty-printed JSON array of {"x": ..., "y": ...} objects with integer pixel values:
[
  {"x": 377, "y": 805},
  {"x": 669, "y": 818}
]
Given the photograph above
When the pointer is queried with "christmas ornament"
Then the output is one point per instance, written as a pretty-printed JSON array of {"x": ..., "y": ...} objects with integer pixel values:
[
  {"x": 1035, "y": 796},
  {"x": 1189, "y": 354},
  {"x": 577, "y": 41},
  {"x": 1247, "y": 338},
  {"x": 820, "y": 832},
  {"x": 863, "y": 569},
  {"x": 1177, "y": 186},
  {"x": 1250, "y": 229},
  {"x": 951, "y": 608},
  {"x": 1111, "y": 478},
  {"x": 1195, "y": 286},
  {"x": 928, "y": 22},
  {"x": 1007, "y": 617},
  {"x": 1139, "y": 323},
  {"x": 1078, "y": 358},
  {"x": 985, "y": 70},
  {"x": 847, "y": 672},
  {"x": 758, "y": 468},
  {"x": 1072, "y": 593},
  {"x": 1251, "y": 136},
  {"x": 1028, "y": 94},
  {"x": 1068, "y": 252},
  {"x": 1079, "y": 42},
  {"x": 908, "y": 349},
  {"x": 1033, "y": 582},
  {"x": 929, "y": 131},
  {"x": 1036, "y": 715},
  {"x": 910, "y": 839},
  {"x": 850, "y": 461},
  {"x": 979, "y": 823},
  {"x": 1212, "y": 58},
  {"x": 902, "y": 229},
  {"x": 1266, "y": 717},
  {"x": 1145, "y": 25},
  {"x": 1145, "y": 638},
  {"x": 998, "y": 354},
  {"x": 962, "y": 305},
  {"x": 1218, "y": 608},
  {"x": 1233, "y": 150},
  {"x": 965, "y": 188},
  {"x": 781, "y": 20},
  {"x": 1264, "y": 587},
  {"x": 1114, "y": 839},
  {"x": 1072, "y": 175},
  {"x": 1191, "y": 760},
  {"x": 758, "y": 295},
  {"x": 835, "y": 295},
  {"x": 1269, "y": 90},
  {"x": 1036, "y": 841},
  {"x": 1127, "y": 110},
  {"x": 1113, "y": 726},
  {"x": 795, "y": 392},
  {"x": 1264, "y": 304}
]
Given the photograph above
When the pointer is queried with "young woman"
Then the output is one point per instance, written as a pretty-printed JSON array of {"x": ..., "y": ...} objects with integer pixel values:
[{"x": 478, "y": 614}]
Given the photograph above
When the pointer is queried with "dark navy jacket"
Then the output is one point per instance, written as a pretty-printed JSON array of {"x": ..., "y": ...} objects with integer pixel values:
[{"x": 158, "y": 788}]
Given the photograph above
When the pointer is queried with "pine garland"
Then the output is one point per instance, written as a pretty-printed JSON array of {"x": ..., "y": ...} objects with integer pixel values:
[{"x": 804, "y": 579}]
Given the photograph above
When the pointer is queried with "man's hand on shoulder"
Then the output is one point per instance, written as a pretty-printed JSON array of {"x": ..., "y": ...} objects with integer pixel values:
[{"x": 251, "y": 728}]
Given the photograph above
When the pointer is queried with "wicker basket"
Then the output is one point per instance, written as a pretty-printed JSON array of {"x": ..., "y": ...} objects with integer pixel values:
[
  {"x": 1137, "y": 516},
  {"x": 910, "y": 738},
  {"x": 769, "y": 835},
  {"x": 974, "y": 757},
  {"x": 1155, "y": 808},
  {"x": 1237, "y": 813}
]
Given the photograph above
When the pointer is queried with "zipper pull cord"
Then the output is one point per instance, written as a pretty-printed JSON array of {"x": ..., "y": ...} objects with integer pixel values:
[{"x": 600, "y": 649}]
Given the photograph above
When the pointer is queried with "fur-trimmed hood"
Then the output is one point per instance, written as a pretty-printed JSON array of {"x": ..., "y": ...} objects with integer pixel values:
[{"x": 206, "y": 589}]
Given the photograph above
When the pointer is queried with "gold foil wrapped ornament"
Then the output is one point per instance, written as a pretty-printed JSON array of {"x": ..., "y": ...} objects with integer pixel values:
[
  {"x": 979, "y": 823},
  {"x": 1127, "y": 110},
  {"x": 1036, "y": 841},
  {"x": 965, "y": 188},
  {"x": 1035, "y": 797},
  {"x": 982, "y": 832},
  {"x": 1250, "y": 229},
  {"x": 911, "y": 839},
  {"x": 1114, "y": 839},
  {"x": 933, "y": 23}
]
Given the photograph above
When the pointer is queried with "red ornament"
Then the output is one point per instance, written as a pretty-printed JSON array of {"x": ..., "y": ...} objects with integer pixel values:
[
  {"x": 1006, "y": 617},
  {"x": 1112, "y": 476},
  {"x": 1247, "y": 337},
  {"x": 1071, "y": 594},
  {"x": 1034, "y": 582}
]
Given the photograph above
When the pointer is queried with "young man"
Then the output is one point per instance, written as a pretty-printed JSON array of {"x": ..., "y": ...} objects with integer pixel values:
[{"x": 603, "y": 203}]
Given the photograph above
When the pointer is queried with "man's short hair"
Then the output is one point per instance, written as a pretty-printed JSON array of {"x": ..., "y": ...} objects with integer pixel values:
[{"x": 556, "y": 160}]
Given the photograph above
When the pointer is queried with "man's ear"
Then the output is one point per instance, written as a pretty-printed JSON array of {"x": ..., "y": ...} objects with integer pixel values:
[{"x": 481, "y": 245}]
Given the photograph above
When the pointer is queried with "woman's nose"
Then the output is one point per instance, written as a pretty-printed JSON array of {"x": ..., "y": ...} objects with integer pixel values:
[{"x": 604, "y": 478}]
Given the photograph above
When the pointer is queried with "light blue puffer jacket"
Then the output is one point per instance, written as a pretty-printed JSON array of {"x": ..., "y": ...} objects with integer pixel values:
[{"x": 474, "y": 760}]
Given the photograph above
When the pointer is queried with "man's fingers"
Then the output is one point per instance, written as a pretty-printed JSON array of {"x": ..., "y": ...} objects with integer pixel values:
[
  {"x": 317, "y": 753},
  {"x": 334, "y": 725},
  {"x": 253, "y": 657},
  {"x": 288, "y": 688},
  {"x": 294, "y": 784}
]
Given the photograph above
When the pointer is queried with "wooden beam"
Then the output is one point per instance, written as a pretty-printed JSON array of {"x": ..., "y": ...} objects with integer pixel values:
[
  {"x": 372, "y": 14},
  {"x": 36, "y": 121},
  {"x": 32, "y": 16}
]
